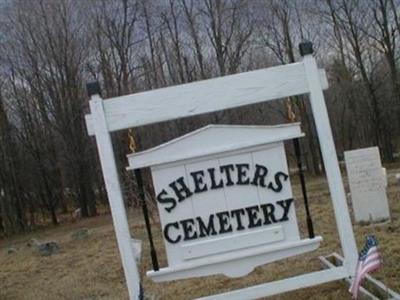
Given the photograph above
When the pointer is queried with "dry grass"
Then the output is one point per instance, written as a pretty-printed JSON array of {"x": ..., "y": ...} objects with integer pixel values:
[{"x": 91, "y": 269}]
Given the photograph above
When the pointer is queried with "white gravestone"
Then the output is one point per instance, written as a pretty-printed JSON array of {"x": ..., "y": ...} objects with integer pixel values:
[
  {"x": 397, "y": 176},
  {"x": 367, "y": 185},
  {"x": 225, "y": 200},
  {"x": 385, "y": 179}
]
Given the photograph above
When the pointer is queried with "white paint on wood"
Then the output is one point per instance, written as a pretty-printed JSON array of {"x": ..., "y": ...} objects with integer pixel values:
[
  {"x": 162, "y": 179},
  {"x": 235, "y": 264},
  {"x": 331, "y": 164},
  {"x": 235, "y": 253},
  {"x": 205, "y": 96},
  {"x": 90, "y": 123},
  {"x": 277, "y": 161},
  {"x": 282, "y": 286},
  {"x": 206, "y": 203},
  {"x": 232, "y": 243},
  {"x": 113, "y": 187},
  {"x": 213, "y": 139},
  {"x": 367, "y": 185},
  {"x": 237, "y": 197}
]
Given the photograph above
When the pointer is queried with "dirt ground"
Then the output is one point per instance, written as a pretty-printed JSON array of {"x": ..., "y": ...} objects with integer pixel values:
[{"x": 91, "y": 269}]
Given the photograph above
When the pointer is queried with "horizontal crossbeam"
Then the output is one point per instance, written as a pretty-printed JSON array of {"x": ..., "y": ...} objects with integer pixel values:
[
  {"x": 205, "y": 96},
  {"x": 282, "y": 286}
]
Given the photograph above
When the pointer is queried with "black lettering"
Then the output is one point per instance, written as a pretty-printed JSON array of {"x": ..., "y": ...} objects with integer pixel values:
[
  {"x": 252, "y": 212},
  {"x": 224, "y": 225},
  {"x": 181, "y": 191},
  {"x": 214, "y": 185},
  {"x": 259, "y": 176},
  {"x": 166, "y": 200},
  {"x": 237, "y": 214},
  {"x": 166, "y": 233},
  {"x": 278, "y": 182},
  {"x": 269, "y": 213},
  {"x": 227, "y": 170},
  {"x": 206, "y": 230},
  {"x": 285, "y": 204},
  {"x": 188, "y": 230},
  {"x": 199, "y": 184},
  {"x": 242, "y": 170}
]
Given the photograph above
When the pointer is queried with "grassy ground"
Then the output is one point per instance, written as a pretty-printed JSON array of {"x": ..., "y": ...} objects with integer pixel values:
[{"x": 90, "y": 269}]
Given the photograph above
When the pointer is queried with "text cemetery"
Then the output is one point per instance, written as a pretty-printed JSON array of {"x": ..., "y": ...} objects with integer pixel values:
[{"x": 219, "y": 223}]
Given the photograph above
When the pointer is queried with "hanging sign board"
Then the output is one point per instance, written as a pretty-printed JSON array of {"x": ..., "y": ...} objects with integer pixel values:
[{"x": 225, "y": 200}]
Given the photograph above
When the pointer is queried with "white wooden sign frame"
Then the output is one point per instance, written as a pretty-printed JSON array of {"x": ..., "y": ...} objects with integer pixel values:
[{"x": 213, "y": 95}]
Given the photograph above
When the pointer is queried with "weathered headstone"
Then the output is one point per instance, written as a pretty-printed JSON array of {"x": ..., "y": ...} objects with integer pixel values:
[{"x": 367, "y": 185}]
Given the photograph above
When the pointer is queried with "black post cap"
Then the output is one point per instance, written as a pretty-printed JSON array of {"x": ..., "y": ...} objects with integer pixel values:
[
  {"x": 306, "y": 48},
  {"x": 93, "y": 88}
]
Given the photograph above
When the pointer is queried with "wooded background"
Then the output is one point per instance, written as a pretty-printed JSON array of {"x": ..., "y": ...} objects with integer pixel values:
[{"x": 49, "y": 50}]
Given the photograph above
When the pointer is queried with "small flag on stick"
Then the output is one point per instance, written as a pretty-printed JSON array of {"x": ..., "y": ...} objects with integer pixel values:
[{"x": 369, "y": 260}]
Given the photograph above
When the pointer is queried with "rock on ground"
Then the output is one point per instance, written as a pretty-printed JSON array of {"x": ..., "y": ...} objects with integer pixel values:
[
  {"x": 44, "y": 248},
  {"x": 11, "y": 250}
]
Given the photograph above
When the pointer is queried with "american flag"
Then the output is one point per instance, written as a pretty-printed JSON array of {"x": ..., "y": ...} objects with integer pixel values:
[{"x": 369, "y": 260}]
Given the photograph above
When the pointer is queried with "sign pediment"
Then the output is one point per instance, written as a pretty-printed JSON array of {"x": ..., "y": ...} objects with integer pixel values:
[{"x": 213, "y": 139}]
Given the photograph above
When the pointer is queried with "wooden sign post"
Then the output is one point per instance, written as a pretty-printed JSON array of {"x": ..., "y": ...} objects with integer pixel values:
[{"x": 208, "y": 96}]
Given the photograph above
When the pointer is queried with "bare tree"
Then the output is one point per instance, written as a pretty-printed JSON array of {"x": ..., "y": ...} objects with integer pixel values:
[
  {"x": 229, "y": 27},
  {"x": 50, "y": 48}
]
